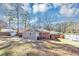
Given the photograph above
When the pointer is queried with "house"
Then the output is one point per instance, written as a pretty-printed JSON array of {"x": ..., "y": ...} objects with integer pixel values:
[
  {"x": 43, "y": 34},
  {"x": 3, "y": 24},
  {"x": 5, "y": 30},
  {"x": 30, "y": 35},
  {"x": 39, "y": 34},
  {"x": 55, "y": 35}
]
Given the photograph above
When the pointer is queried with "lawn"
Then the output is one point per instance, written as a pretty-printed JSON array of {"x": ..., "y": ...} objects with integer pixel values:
[
  {"x": 70, "y": 42},
  {"x": 41, "y": 48}
]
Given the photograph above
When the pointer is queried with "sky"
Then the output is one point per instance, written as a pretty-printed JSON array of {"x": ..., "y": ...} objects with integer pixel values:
[{"x": 43, "y": 13}]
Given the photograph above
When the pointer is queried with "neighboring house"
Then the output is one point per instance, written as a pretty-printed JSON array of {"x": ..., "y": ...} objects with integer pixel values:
[
  {"x": 3, "y": 24},
  {"x": 9, "y": 30},
  {"x": 5, "y": 30}
]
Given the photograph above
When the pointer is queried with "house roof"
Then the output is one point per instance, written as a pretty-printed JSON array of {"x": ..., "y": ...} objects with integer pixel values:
[{"x": 42, "y": 30}]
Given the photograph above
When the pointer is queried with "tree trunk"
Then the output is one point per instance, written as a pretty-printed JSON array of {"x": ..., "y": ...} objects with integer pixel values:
[{"x": 17, "y": 10}]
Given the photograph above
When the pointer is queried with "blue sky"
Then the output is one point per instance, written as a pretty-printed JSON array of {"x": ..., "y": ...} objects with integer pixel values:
[
  {"x": 48, "y": 12},
  {"x": 54, "y": 12}
]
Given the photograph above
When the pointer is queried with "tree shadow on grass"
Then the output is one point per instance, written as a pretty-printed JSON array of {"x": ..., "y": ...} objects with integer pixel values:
[
  {"x": 41, "y": 48},
  {"x": 65, "y": 47}
]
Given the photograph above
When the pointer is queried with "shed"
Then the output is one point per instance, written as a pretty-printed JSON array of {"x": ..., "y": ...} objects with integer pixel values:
[{"x": 30, "y": 35}]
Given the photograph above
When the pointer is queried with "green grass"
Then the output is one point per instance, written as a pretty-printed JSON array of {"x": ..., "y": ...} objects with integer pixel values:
[
  {"x": 70, "y": 42},
  {"x": 2, "y": 52}
]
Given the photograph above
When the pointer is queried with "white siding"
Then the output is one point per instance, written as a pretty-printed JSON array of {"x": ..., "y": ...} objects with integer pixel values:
[{"x": 30, "y": 35}]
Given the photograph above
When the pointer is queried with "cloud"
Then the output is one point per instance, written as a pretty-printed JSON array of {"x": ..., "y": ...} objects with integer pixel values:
[
  {"x": 26, "y": 7},
  {"x": 35, "y": 8},
  {"x": 40, "y": 8},
  {"x": 66, "y": 11},
  {"x": 57, "y": 5}
]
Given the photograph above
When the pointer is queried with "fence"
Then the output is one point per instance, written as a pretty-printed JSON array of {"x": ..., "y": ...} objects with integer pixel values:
[{"x": 72, "y": 37}]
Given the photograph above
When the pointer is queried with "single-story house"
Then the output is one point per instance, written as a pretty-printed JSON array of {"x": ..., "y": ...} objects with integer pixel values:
[
  {"x": 55, "y": 35},
  {"x": 43, "y": 34},
  {"x": 5, "y": 30},
  {"x": 38, "y": 34}
]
